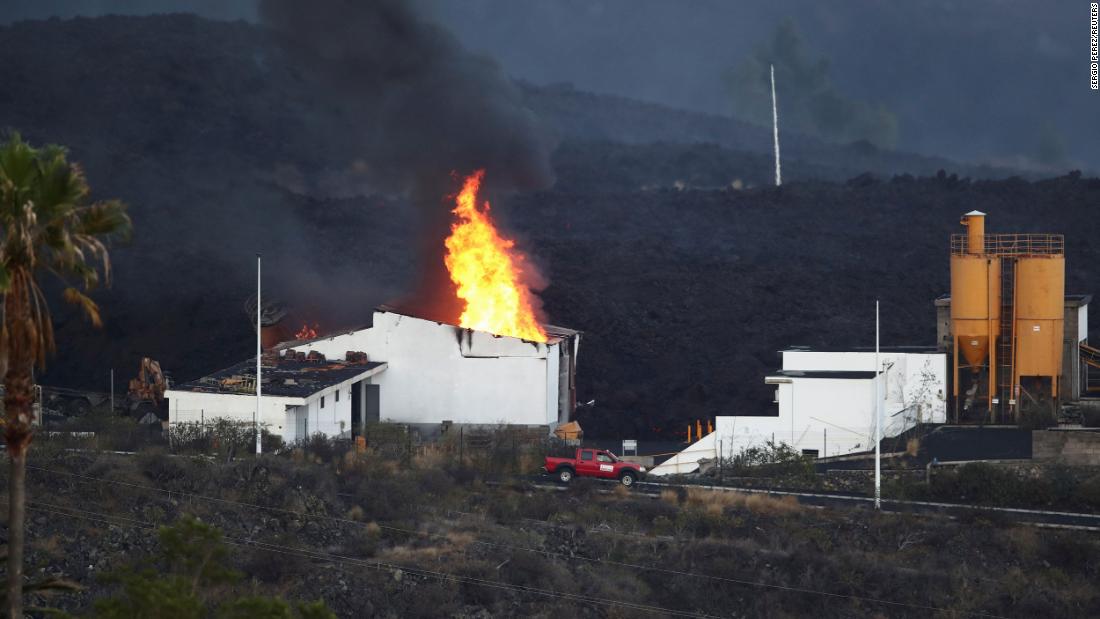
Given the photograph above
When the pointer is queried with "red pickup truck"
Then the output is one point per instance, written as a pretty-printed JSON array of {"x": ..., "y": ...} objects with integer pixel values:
[{"x": 594, "y": 463}]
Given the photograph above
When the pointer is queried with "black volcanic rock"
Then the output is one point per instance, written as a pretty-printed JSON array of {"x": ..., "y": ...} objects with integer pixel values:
[{"x": 684, "y": 286}]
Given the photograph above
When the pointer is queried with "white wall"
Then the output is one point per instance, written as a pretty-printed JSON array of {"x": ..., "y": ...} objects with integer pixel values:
[
  {"x": 194, "y": 407},
  {"x": 334, "y": 420},
  {"x": 830, "y": 415},
  {"x": 439, "y": 372},
  {"x": 281, "y": 415},
  {"x": 914, "y": 382},
  {"x": 835, "y": 415}
]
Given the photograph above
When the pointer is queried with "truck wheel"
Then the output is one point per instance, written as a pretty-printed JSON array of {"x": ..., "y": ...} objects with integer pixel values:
[
  {"x": 628, "y": 478},
  {"x": 565, "y": 475}
]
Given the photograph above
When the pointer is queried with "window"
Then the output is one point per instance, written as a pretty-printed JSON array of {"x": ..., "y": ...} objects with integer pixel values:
[
  {"x": 603, "y": 458},
  {"x": 322, "y": 401},
  {"x": 337, "y": 395},
  {"x": 586, "y": 455}
]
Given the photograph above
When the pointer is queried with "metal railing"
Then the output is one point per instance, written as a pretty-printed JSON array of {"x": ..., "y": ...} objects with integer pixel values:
[{"x": 1030, "y": 244}]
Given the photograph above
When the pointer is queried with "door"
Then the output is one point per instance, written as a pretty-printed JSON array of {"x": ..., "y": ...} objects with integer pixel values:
[
  {"x": 587, "y": 464},
  {"x": 373, "y": 403},
  {"x": 605, "y": 465},
  {"x": 357, "y": 409}
]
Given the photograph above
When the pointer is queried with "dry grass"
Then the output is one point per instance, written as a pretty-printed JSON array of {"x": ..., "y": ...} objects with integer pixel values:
[
  {"x": 460, "y": 539},
  {"x": 1025, "y": 540},
  {"x": 355, "y": 513},
  {"x": 773, "y": 506},
  {"x": 415, "y": 555},
  {"x": 430, "y": 457},
  {"x": 531, "y": 461},
  {"x": 711, "y": 501},
  {"x": 716, "y": 502},
  {"x": 51, "y": 545}
]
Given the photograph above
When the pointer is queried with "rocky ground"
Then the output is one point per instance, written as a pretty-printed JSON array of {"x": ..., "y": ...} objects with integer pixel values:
[
  {"x": 424, "y": 538},
  {"x": 685, "y": 270}
]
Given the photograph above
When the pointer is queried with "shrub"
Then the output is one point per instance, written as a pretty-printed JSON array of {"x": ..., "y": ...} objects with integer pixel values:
[
  {"x": 156, "y": 464},
  {"x": 772, "y": 460}
]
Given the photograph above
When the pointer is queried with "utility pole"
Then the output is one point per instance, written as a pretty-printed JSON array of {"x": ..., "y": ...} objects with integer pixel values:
[
  {"x": 878, "y": 420},
  {"x": 775, "y": 130},
  {"x": 259, "y": 354}
]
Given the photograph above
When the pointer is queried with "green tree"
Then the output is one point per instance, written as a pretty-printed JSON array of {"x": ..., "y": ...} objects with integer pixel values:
[
  {"x": 809, "y": 103},
  {"x": 47, "y": 225}
]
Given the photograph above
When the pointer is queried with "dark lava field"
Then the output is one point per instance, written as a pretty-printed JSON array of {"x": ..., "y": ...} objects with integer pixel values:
[{"x": 661, "y": 239}]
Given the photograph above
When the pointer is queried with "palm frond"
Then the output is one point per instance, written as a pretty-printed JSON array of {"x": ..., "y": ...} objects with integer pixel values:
[
  {"x": 104, "y": 219},
  {"x": 47, "y": 225},
  {"x": 17, "y": 168},
  {"x": 84, "y": 302}
]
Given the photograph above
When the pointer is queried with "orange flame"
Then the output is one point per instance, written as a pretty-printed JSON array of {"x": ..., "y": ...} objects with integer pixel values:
[
  {"x": 487, "y": 271},
  {"x": 307, "y": 332}
]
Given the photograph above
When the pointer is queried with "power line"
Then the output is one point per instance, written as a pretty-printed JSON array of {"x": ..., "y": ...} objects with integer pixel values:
[
  {"x": 111, "y": 519},
  {"x": 527, "y": 549}
]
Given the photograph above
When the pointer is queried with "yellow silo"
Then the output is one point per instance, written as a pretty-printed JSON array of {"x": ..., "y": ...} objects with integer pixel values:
[
  {"x": 1007, "y": 314},
  {"x": 975, "y": 300},
  {"x": 1040, "y": 311}
]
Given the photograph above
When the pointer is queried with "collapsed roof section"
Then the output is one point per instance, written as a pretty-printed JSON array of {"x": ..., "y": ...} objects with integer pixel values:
[{"x": 296, "y": 378}]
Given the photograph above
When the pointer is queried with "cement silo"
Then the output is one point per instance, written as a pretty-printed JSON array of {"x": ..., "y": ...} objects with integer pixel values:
[
  {"x": 1040, "y": 310},
  {"x": 975, "y": 304},
  {"x": 1007, "y": 314}
]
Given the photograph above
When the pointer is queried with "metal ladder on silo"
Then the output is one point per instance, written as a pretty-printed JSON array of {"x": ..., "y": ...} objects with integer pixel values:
[{"x": 1005, "y": 339}]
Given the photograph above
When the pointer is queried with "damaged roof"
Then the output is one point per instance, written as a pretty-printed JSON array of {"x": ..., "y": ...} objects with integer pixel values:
[
  {"x": 292, "y": 379},
  {"x": 554, "y": 332}
]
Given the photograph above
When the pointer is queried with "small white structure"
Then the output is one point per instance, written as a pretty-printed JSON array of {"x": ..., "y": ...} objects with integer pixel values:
[
  {"x": 433, "y": 373},
  {"x": 826, "y": 402},
  {"x": 300, "y": 398}
]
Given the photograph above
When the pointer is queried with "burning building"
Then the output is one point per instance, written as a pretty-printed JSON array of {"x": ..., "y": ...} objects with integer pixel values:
[
  {"x": 496, "y": 364},
  {"x": 406, "y": 369}
]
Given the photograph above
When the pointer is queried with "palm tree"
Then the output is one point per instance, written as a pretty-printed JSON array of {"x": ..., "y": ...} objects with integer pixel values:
[{"x": 47, "y": 226}]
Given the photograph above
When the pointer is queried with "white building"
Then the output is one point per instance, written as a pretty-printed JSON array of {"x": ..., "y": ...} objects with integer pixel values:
[
  {"x": 825, "y": 403},
  {"x": 421, "y": 372},
  {"x": 300, "y": 398}
]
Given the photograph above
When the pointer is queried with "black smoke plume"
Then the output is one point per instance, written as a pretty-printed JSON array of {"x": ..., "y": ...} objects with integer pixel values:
[{"x": 419, "y": 108}]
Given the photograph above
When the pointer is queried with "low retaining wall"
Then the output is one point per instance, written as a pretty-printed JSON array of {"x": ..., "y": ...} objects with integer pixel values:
[{"x": 1077, "y": 447}]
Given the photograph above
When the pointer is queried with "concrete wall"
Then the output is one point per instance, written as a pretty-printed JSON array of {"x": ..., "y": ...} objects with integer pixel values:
[
  {"x": 1076, "y": 320},
  {"x": 333, "y": 419},
  {"x": 193, "y": 407},
  {"x": 834, "y": 416},
  {"x": 1066, "y": 446},
  {"x": 828, "y": 415},
  {"x": 286, "y": 417},
  {"x": 913, "y": 382},
  {"x": 438, "y": 372}
]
